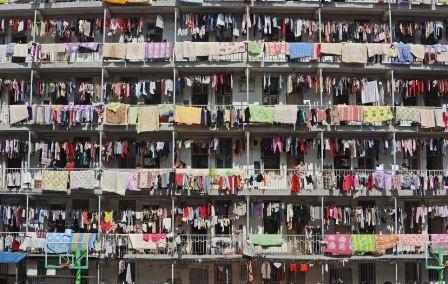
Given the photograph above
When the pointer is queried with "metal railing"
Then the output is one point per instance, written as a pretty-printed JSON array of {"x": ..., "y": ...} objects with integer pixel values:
[{"x": 120, "y": 245}]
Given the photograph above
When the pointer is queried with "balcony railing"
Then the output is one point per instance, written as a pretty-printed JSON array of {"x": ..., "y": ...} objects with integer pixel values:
[{"x": 185, "y": 245}]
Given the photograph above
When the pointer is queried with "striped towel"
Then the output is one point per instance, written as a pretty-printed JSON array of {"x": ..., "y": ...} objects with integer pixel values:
[{"x": 78, "y": 240}]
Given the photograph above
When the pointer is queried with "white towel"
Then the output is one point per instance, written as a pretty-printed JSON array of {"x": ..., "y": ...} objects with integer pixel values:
[{"x": 17, "y": 113}]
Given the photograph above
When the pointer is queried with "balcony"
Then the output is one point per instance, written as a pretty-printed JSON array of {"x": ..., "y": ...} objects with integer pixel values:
[
  {"x": 185, "y": 246},
  {"x": 37, "y": 180}
]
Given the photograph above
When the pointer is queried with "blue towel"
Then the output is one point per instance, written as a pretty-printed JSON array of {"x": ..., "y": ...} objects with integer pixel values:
[
  {"x": 57, "y": 242},
  {"x": 300, "y": 49},
  {"x": 404, "y": 53},
  {"x": 10, "y": 48}
]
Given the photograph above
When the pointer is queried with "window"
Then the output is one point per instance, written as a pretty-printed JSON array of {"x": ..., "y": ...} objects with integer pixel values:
[
  {"x": 367, "y": 162},
  {"x": 434, "y": 160},
  {"x": 224, "y": 153},
  {"x": 224, "y": 95},
  {"x": 198, "y": 275},
  {"x": 223, "y": 274},
  {"x": 342, "y": 160},
  {"x": 367, "y": 273},
  {"x": 412, "y": 273},
  {"x": 341, "y": 275},
  {"x": 367, "y": 204},
  {"x": 155, "y": 33},
  {"x": 271, "y": 92},
  {"x": 199, "y": 156},
  {"x": 271, "y": 160},
  {"x": 127, "y": 205},
  {"x": 80, "y": 204},
  {"x": 199, "y": 95}
]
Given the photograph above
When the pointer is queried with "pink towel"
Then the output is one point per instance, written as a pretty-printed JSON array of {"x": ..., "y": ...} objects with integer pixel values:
[
  {"x": 427, "y": 119},
  {"x": 339, "y": 244},
  {"x": 418, "y": 240}
]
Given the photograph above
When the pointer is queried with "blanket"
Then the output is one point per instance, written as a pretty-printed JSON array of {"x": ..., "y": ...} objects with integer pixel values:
[
  {"x": 122, "y": 182},
  {"x": 20, "y": 50},
  {"x": 262, "y": 114},
  {"x": 54, "y": 180},
  {"x": 384, "y": 242},
  {"x": 83, "y": 179},
  {"x": 114, "y": 50},
  {"x": 135, "y": 51},
  {"x": 439, "y": 241},
  {"x": 350, "y": 113},
  {"x": 377, "y": 113},
  {"x": 408, "y": 114},
  {"x": 276, "y": 48},
  {"x": 416, "y": 240},
  {"x": 132, "y": 114},
  {"x": 228, "y": 48},
  {"x": 82, "y": 241},
  {"x": 338, "y": 244},
  {"x": 363, "y": 243},
  {"x": 427, "y": 118},
  {"x": 354, "y": 53},
  {"x": 286, "y": 114},
  {"x": 266, "y": 240},
  {"x": 300, "y": 50},
  {"x": 57, "y": 242},
  {"x": 159, "y": 50},
  {"x": 117, "y": 117},
  {"x": 418, "y": 51},
  {"x": 136, "y": 242},
  {"x": 17, "y": 113},
  {"x": 331, "y": 48},
  {"x": 187, "y": 115},
  {"x": 255, "y": 49},
  {"x": 439, "y": 114},
  {"x": 148, "y": 119},
  {"x": 109, "y": 181},
  {"x": 374, "y": 49},
  {"x": 54, "y": 47}
]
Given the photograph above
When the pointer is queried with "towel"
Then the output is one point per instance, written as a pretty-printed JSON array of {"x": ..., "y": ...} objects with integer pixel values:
[
  {"x": 363, "y": 243},
  {"x": 54, "y": 47},
  {"x": 122, "y": 183},
  {"x": 266, "y": 240},
  {"x": 135, "y": 51},
  {"x": 83, "y": 179},
  {"x": 408, "y": 114},
  {"x": 148, "y": 119},
  {"x": 286, "y": 114},
  {"x": 377, "y": 113},
  {"x": 20, "y": 50},
  {"x": 350, "y": 113},
  {"x": 109, "y": 181},
  {"x": 338, "y": 244},
  {"x": 184, "y": 49},
  {"x": 354, "y": 53},
  {"x": 384, "y": 242},
  {"x": 331, "y": 48},
  {"x": 114, "y": 50},
  {"x": 17, "y": 113},
  {"x": 427, "y": 118},
  {"x": 132, "y": 114},
  {"x": 187, "y": 115},
  {"x": 255, "y": 49},
  {"x": 2, "y": 51},
  {"x": 82, "y": 241},
  {"x": 54, "y": 180},
  {"x": 439, "y": 113}
]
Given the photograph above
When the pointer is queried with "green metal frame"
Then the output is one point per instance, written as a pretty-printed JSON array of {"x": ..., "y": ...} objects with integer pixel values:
[
  {"x": 438, "y": 255},
  {"x": 74, "y": 259}
]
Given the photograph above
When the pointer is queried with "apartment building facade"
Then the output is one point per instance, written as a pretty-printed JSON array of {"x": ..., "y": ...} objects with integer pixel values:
[{"x": 224, "y": 141}]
